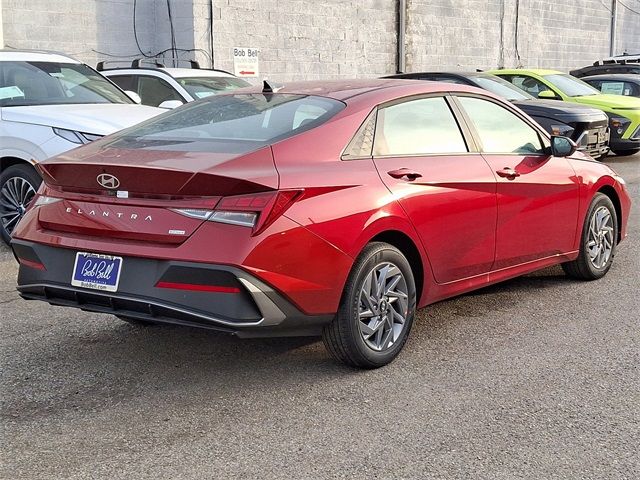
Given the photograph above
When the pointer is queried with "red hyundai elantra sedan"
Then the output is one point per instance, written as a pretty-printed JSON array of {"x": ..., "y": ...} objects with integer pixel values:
[{"x": 318, "y": 208}]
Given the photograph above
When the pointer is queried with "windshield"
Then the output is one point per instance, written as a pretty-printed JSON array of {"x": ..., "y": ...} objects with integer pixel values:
[
  {"x": 240, "y": 122},
  {"x": 501, "y": 88},
  {"x": 49, "y": 83},
  {"x": 201, "y": 87},
  {"x": 571, "y": 86}
]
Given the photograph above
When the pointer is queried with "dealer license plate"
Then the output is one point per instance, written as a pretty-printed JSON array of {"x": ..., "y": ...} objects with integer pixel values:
[{"x": 99, "y": 272}]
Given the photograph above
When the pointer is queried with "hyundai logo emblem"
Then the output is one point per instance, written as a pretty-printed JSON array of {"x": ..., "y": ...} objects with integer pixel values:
[{"x": 108, "y": 181}]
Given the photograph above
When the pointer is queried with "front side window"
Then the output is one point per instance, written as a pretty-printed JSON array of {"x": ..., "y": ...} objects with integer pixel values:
[
  {"x": 530, "y": 85},
  {"x": 125, "y": 82},
  {"x": 618, "y": 88},
  {"x": 418, "y": 127},
  {"x": 52, "y": 83},
  {"x": 500, "y": 130},
  {"x": 153, "y": 91},
  {"x": 241, "y": 123}
]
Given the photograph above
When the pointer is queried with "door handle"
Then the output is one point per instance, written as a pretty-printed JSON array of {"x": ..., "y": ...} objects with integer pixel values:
[
  {"x": 508, "y": 173},
  {"x": 404, "y": 172}
]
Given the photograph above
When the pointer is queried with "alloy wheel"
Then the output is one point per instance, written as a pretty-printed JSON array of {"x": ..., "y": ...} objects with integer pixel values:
[
  {"x": 15, "y": 196},
  {"x": 383, "y": 306},
  {"x": 600, "y": 240}
]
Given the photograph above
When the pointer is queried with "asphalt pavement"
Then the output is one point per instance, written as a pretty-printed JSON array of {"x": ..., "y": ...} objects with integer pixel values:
[{"x": 538, "y": 377}]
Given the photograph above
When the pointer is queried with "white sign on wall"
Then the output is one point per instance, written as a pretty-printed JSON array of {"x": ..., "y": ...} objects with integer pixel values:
[{"x": 245, "y": 62}]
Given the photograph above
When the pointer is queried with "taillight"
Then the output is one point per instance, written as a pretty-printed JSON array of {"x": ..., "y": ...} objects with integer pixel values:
[{"x": 255, "y": 210}]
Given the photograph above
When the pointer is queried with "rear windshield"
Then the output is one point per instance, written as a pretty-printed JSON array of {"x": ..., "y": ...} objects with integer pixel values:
[
  {"x": 201, "y": 87},
  {"x": 247, "y": 121},
  {"x": 501, "y": 87}
]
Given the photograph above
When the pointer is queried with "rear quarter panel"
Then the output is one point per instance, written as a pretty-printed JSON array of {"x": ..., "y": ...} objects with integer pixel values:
[{"x": 345, "y": 202}]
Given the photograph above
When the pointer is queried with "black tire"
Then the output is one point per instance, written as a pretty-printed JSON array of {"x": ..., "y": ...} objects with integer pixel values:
[
  {"x": 137, "y": 322},
  {"x": 8, "y": 212},
  {"x": 342, "y": 337},
  {"x": 583, "y": 267},
  {"x": 624, "y": 153}
]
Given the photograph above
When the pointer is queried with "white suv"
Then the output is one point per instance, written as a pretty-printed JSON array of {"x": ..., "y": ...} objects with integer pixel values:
[
  {"x": 163, "y": 87},
  {"x": 51, "y": 103}
]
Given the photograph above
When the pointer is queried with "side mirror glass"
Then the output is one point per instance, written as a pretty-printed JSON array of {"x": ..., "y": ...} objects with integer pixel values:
[
  {"x": 133, "y": 96},
  {"x": 562, "y": 146},
  {"x": 548, "y": 94},
  {"x": 170, "y": 104}
]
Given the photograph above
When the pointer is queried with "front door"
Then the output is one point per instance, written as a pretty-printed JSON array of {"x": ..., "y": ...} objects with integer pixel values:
[
  {"x": 447, "y": 191},
  {"x": 537, "y": 193}
]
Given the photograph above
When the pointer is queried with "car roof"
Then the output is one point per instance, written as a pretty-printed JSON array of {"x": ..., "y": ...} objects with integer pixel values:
[
  {"x": 195, "y": 72},
  {"x": 35, "y": 56},
  {"x": 385, "y": 88},
  {"x": 630, "y": 77},
  {"x": 535, "y": 71},
  {"x": 465, "y": 74},
  {"x": 173, "y": 72}
]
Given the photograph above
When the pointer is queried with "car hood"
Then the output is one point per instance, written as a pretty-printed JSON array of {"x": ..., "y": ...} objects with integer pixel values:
[
  {"x": 562, "y": 110},
  {"x": 609, "y": 101},
  {"x": 98, "y": 119}
]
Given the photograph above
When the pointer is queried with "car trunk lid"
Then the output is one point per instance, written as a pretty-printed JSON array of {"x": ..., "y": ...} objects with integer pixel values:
[{"x": 133, "y": 195}]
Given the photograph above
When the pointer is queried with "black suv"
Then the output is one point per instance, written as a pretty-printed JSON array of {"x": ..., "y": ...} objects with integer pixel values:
[
  {"x": 588, "y": 127},
  {"x": 621, "y": 64}
]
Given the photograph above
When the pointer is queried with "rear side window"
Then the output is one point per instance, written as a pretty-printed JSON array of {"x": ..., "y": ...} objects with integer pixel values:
[
  {"x": 248, "y": 121},
  {"x": 500, "y": 130},
  {"x": 418, "y": 127}
]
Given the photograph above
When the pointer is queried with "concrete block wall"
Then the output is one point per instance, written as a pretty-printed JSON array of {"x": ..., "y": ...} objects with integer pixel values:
[
  {"x": 309, "y": 39},
  {"x": 94, "y": 30}
]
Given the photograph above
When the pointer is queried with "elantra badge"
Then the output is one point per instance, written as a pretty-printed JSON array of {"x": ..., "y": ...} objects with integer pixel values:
[{"x": 108, "y": 181}]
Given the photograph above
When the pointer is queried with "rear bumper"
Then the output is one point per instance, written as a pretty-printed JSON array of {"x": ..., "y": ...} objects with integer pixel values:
[{"x": 252, "y": 309}]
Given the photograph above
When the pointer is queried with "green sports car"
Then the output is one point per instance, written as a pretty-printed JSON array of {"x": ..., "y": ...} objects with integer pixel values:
[{"x": 623, "y": 112}]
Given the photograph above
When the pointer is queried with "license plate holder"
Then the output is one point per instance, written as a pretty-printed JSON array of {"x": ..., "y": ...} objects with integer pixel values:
[{"x": 96, "y": 271}]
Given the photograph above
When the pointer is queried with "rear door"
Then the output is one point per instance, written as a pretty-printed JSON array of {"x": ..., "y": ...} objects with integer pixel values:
[
  {"x": 446, "y": 188},
  {"x": 537, "y": 193}
]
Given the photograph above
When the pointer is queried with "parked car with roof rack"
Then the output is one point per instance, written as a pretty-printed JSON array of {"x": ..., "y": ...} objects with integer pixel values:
[
  {"x": 159, "y": 86},
  {"x": 619, "y": 64},
  {"x": 623, "y": 112},
  {"x": 588, "y": 127},
  {"x": 615, "y": 84},
  {"x": 51, "y": 103}
]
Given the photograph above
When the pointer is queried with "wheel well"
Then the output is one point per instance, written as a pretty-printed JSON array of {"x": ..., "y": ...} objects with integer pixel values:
[
  {"x": 610, "y": 192},
  {"x": 403, "y": 243},
  {"x": 6, "y": 162}
]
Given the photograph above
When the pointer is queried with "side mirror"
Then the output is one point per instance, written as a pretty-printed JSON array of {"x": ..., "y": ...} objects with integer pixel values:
[
  {"x": 562, "y": 146},
  {"x": 133, "y": 96},
  {"x": 170, "y": 104},
  {"x": 547, "y": 94}
]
